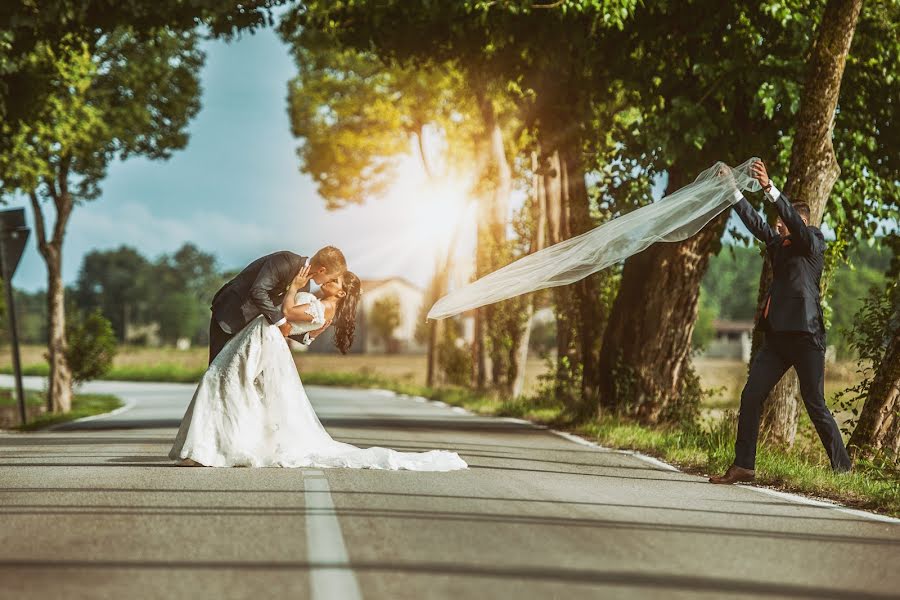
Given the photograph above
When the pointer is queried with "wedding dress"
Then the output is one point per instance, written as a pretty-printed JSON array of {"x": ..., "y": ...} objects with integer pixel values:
[{"x": 250, "y": 410}]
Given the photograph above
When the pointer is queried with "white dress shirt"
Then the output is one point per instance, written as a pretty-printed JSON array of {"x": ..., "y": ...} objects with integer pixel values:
[{"x": 772, "y": 195}]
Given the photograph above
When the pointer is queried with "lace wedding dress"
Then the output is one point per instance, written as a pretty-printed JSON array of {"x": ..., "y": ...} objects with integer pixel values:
[{"x": 250, "y": 410}]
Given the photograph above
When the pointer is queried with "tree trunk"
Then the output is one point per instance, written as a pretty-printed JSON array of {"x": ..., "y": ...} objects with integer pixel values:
[
  {"x": 538, "y": 242},
  {"x": 494, "y": 323},
  {"x": 479, "y": 358},
  {"x": 59, "y": 392},
  {"x": 878, "y": 429},
  {"x": 59, "y": 388},
  {"x": 556, "y": 231},
  {"x": 591, "y": 320},
  {"x": 813, "y": 172},
  {"x": 647, "y": 344}
]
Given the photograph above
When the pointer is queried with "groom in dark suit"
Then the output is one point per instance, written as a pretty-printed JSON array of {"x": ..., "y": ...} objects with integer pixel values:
[
  {"x": 259, "y": 290},
  {"x": 793, "y": 325}
]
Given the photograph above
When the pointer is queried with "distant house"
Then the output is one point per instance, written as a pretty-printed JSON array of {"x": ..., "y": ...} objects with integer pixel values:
[
  {"x": 409, "y": 297},
  {"x": 732, "y": 340}
]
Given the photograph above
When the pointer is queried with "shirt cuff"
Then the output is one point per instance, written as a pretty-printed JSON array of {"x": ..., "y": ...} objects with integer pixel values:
[
  {"x": 281, "y": 322},
  {"x": 773, "y": 194},
  {"x": 738, "y": 195}
]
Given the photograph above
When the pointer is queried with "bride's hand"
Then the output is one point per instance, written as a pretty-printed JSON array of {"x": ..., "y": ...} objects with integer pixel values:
[
  {"x": 301, "y": 278},
  {"x": 314, "y": 334}
]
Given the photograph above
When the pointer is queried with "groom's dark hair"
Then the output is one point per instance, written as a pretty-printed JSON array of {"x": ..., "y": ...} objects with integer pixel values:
[
  {"x": 331, "y": 258},
  {"x": 802, "y": 209}
]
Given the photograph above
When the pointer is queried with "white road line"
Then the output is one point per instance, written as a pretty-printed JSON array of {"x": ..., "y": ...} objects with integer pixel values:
[
  {"x": 325, "y": 543},
  {"x": 648, "y": 459},
  {"x": 125, "y": 407},
  {"x": 823, "y": 504}
]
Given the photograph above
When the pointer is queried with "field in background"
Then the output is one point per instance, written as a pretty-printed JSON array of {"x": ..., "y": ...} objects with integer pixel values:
[{"x": 725, "y": 377}]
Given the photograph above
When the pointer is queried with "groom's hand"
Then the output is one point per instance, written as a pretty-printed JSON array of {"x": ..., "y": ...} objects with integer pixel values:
[
  {"x": 758, "y": 170},
  {"x": 285, "y": 328},
  {"x": 725, "y": 173}
]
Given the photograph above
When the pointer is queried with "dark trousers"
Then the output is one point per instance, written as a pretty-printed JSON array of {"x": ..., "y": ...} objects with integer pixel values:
[
  {"x": 217, "y": 339},
  {"x": 781, "y": 351}
]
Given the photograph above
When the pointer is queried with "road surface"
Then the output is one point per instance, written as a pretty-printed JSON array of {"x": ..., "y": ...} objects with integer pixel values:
[{"x": 96, "y": 510}]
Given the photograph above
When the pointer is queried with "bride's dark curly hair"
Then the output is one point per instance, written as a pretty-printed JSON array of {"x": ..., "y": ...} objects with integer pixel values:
[{"x": 345, "y": 315}]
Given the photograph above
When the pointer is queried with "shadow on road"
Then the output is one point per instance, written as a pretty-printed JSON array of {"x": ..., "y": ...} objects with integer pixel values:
[{"x": 637, "y": 580}]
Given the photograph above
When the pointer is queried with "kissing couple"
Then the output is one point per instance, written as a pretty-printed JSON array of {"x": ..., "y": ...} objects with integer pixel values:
[{"x": 250, "y": 408}]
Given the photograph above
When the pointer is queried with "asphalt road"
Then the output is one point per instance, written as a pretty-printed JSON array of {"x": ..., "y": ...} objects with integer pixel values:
[{"x": 96, "y": 510}]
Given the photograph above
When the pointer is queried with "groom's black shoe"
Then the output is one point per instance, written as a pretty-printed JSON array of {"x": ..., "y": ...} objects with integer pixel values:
[{"x": 734, "y": 474}]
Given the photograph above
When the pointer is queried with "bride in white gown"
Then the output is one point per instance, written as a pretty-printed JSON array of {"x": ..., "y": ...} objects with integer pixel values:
[{"x": 250, "y": 409}]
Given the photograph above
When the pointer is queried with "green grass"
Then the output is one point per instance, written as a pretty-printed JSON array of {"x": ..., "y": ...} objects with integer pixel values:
[
  {"x": 83, "y": 405},
  {"x": 168, "y": 373},
  {"x": 32, "y": 398}
]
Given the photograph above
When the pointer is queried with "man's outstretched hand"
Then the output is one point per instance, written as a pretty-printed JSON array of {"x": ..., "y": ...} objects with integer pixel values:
[
  {"x": 758, "y": 170},
  {"x": 725, "y": 173}
]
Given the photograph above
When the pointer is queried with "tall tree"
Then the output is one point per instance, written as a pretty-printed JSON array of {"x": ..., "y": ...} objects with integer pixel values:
[
  {"x": 130, "y": 95},
  {"x": 729, "y": 88},
  {"x": 814, "y": 169},
  {"x": 360, "y": 115},
  {"x": 385, "y": 319},
  {"x": 695, "y": 82},
  {"x": 553, "y": 88},
  {"x": 118, "y": 283}
]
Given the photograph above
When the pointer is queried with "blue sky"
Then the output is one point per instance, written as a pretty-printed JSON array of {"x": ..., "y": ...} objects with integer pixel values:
[{"x": 235, "y": 190}]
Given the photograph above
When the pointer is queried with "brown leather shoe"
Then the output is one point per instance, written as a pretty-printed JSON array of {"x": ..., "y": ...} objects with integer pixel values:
[{"x": 734, "y": 474}]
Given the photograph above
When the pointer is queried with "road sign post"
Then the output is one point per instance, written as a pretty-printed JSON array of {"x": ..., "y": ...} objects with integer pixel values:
[{"x": 13, "y": 237}]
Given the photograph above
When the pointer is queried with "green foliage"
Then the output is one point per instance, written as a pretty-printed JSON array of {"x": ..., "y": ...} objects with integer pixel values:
[
  {"x": 454, "y": 356},
  {"x": 866, "y": 268},
  {"x": 174, "y": 291},
  {"x": 732, "y": 281},
  {"x": 876, "y": 322},
  {"x": 543, "y": 338},
  {"x": 385, "y": 319},
  {"x": 118, "y": 284},
  {"x": 127, "y": 95},
  {"x": 31, "y": 316},
  {"x": 704, "y": 332},
  {"x": 27, "y": 28},
  {"x": 92, "y": 346}
]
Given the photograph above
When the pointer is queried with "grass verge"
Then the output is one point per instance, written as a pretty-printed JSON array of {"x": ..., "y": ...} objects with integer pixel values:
[
  {"x": 83, "y": 405},
  {"x": 700, "y": 450}
]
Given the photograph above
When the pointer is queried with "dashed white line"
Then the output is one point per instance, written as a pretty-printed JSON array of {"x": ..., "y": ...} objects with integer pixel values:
[{"x": 325, "y": 546}]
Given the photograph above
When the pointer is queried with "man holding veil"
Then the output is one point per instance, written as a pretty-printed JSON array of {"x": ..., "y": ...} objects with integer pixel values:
[{"x": 793, "y": 324}]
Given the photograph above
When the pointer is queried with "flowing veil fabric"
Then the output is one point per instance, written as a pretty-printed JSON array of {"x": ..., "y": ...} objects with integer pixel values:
[{"x": 673, "y": 218}]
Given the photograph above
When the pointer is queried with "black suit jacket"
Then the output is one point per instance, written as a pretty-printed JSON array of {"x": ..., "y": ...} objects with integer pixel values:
[
  {"x": 797, "y": 269},
  {"x": 257, "y": 290}
]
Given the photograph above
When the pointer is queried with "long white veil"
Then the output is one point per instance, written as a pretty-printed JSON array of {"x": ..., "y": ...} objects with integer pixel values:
[{"x": 673, "y": 218}]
